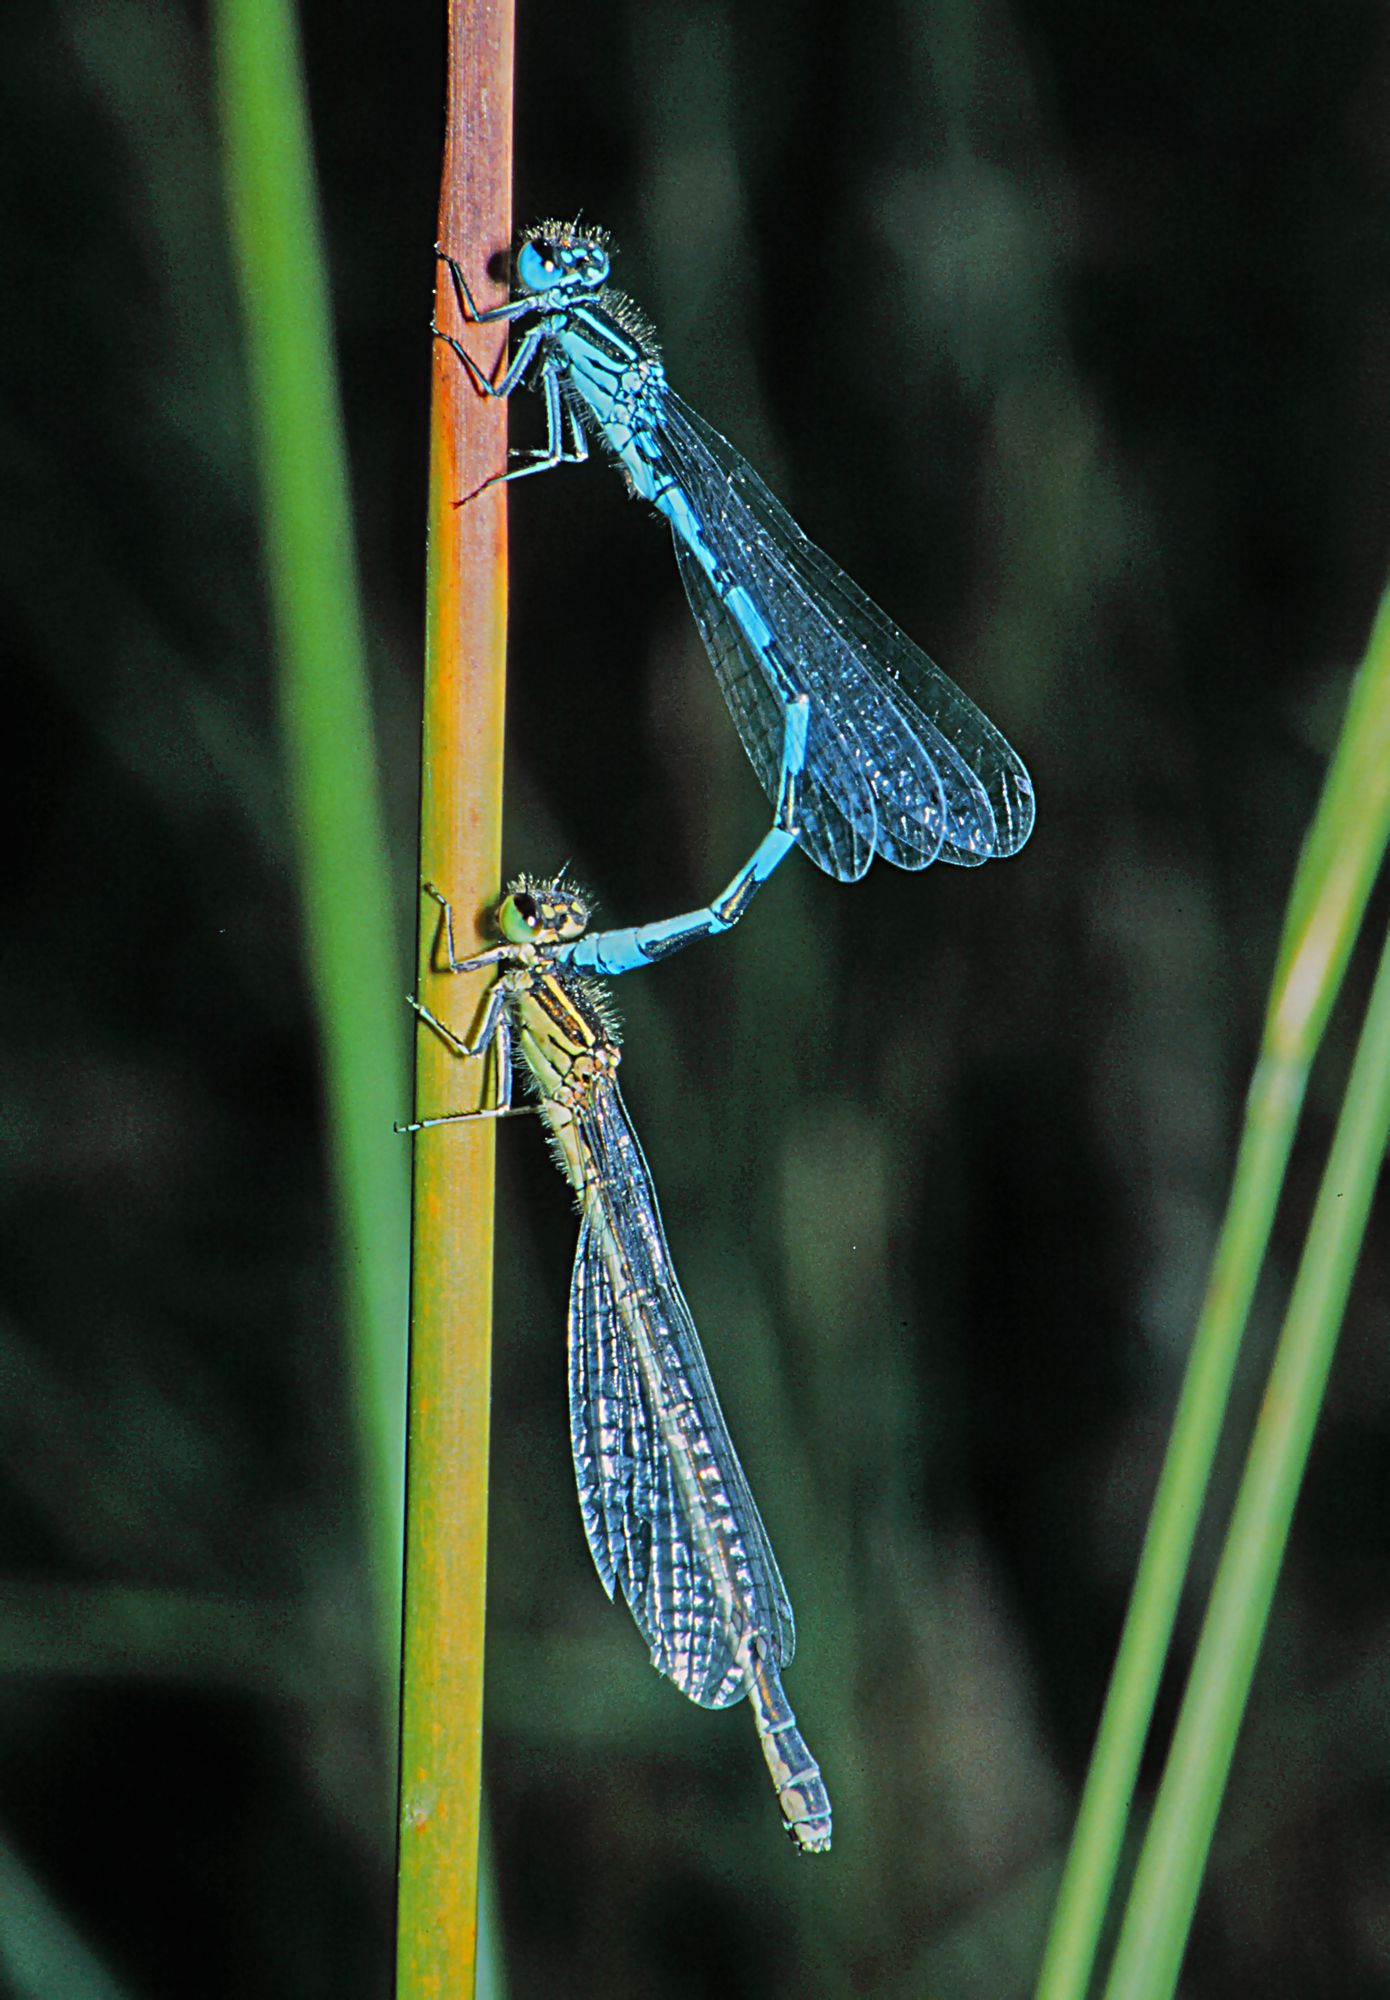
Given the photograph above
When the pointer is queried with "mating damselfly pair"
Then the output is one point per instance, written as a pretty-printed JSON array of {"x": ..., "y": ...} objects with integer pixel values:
[{"x": 866, "y": 747}]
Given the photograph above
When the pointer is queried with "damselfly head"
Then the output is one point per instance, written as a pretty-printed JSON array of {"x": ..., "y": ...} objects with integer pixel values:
[
  {"x": 562, "y": 253},
  {"x": 534, "y": 912}
]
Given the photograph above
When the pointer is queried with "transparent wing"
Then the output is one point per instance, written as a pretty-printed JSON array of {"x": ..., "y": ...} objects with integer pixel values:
[
  {"x": 837, "y": 815},
  {"x": 666, "y": 1507},
  {"x": 609, "y": 1435},
  {"x": 944, "y": 781}
]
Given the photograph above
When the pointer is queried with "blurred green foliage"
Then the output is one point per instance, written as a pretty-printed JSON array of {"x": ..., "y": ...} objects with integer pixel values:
[
  {"x": 331, "y": 764},
  {"x": 1067, "y": 333}
]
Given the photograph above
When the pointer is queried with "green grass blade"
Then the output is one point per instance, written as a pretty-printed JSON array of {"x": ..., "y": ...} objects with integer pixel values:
[
  {"x": 1164, "y": 1891},
  {"x": 1334, "y": 877},
  {"x": 325, "y": 709}
]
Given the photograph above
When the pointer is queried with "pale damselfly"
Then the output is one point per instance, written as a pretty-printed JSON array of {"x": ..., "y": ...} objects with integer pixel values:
[
  {"x": 667, "y": 1510},
  {"x": 898, "y": 760}
]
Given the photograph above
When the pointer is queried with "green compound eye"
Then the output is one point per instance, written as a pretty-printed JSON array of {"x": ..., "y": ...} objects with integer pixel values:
[{"x": 517, "y": 917}]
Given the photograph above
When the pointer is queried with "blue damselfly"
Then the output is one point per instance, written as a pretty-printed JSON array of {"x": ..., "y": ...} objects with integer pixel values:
[{"x": 898, "y": 760}]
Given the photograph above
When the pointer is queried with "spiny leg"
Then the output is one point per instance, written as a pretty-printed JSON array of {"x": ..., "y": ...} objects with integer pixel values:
[
  {"x": 474, "y": 315},
  {"x": 493, "y": 1033},
  {"x": 479, "y": 376},
  {"x": 495, "y": 954},
  {"x": 565, "y": 442},
  {"x": 446, "y": 931},
  {"x": 560, "y": 418}
]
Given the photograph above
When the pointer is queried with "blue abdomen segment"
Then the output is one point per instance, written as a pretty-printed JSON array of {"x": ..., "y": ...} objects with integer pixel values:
[{"x": 614, "y": 951}]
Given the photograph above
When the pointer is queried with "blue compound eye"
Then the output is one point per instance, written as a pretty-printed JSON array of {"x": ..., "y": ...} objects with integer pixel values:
[{"x": 539, "y": 266}]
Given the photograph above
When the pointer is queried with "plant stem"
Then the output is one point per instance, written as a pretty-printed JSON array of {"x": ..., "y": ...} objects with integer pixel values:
[{"x": 460, "y": 851}]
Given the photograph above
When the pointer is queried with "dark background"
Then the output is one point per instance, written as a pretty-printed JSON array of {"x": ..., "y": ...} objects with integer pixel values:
[{"x": 1067, "y": 329}]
